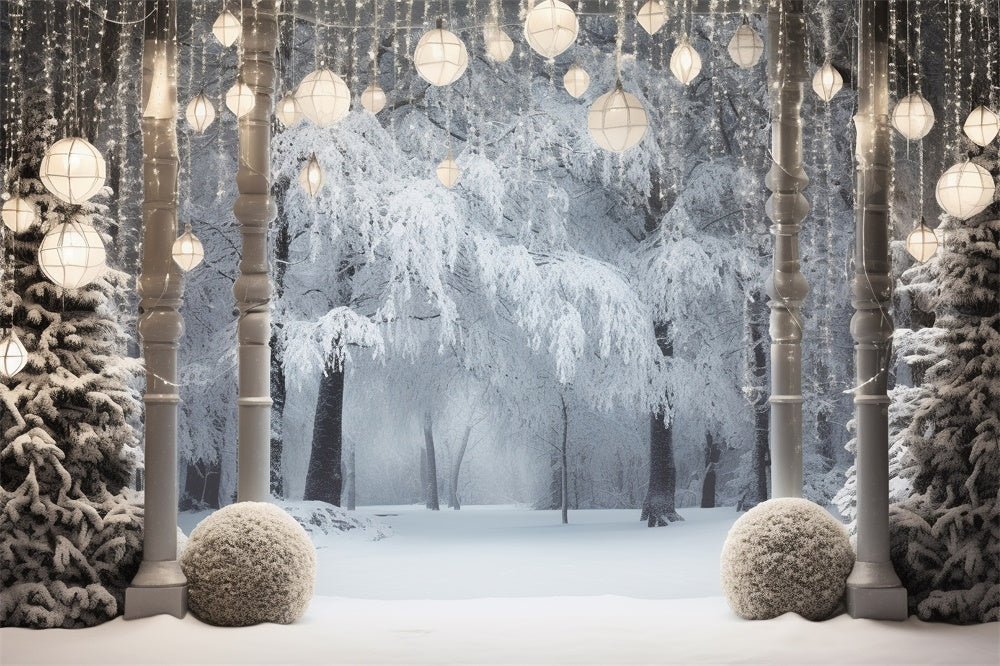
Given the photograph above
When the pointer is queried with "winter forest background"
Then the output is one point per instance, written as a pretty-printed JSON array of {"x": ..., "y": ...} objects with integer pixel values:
[{"x": 562, "y": 307}]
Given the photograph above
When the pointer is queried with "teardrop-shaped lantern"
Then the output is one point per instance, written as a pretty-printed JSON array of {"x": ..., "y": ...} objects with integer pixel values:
[
  {"x": 982, "y": 126},
  {"x": 746, "y": 47},
  {"x": 447, "y": 171},
  {"x": 311, "y": 177},
  {"x": 200, "y": 112},
  {"x": 373, "y": 98},
  {"x": 922, "y": 242},
  {"x": 827, "y": 81},
  {"x": 617, "y": 120},
  {"x": 685, "y": 63},
  {"x": 227, "y": 28},
  {"x": 913, "y": 117},
  {"x": 240, "y": 99},
  {"x": 440, "y": 57},
  {"x": 13, "y": 355},
  {"x": 187, "y": 250},
  {"x": 19, "y": 214},
  {"x": 499, "y": 45},
  {"x": 72, "y": 255},
  {"x": 576, "y": 80},
  {"x": 652, "y": 16},
  {"x": 287, "y": 110}
]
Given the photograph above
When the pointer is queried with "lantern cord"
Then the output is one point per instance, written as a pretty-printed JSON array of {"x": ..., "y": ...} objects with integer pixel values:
[{"x": 86, "y": 5}]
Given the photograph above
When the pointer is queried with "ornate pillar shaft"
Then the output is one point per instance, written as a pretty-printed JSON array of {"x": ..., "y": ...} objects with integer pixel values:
[
  {"x": 873, "y": 589},
  {"x": 255, "y": 209},
  {"x": 786, "y": 207},
  {"x": 159, "y": 586}
]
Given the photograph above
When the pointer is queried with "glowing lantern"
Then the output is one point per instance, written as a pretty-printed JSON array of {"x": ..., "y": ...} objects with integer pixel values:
[
  {"x": 440, "y": 57},
  {"x": 913, "y": 117},
  {"x": 746, "y": 47},
  {"x": 617, "y": 120},
  {"x": 499, "y": 45},
  {"x": 187, "y": 250},
  {"x": 373, "y": 98},
  {"x": 19, "y": 214},
  {"x": 827, "y": 81},
  {"x": 685, "y": 63},
  {"x": 447, "y": 171},
  {"x": 551, "y": 27},
  {"x": 287, "y": 110},
  {"x": 73, "y": 170},
  {"x": 72, "y": 255},
  {"x": 240, "y": 99},
  {"x": 311, "y": 177},
  {"x": 13, "y": 355},
  {"x": 576, "y": 80},
  {"x": 200, "y": 112},
  {"x": 982, "y": 126},
  {"x": 227, "y": 28},
  {"x": 323, "y": 97},
  {"x": 652, "y": 16},
  {"x": 965, "y": 190},
  {"x": 922, "y": 242}
]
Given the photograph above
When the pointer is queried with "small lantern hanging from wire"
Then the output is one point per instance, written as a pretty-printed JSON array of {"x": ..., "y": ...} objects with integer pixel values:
[
  {"x": 499, "y": 45},
  {"x": 323, "y": 97},
  {"x": 651, "y": 16},
  {"x": 187, "y": 250},
  {"x": 982, "y": 126},
  {"x": 311, "y": 177},
  {"x": 685, "y": 63},
  {"x": 240, "y": 99},
  {"x": 827, "y": 81},
  {"x": 617, "y": 120},
  {"x": 576, "y": 80},
  {"x": 13, "y": 355},
  {"x": 73, "y": 170},
  {"x": 440, "y": 57},
  {"x": 447, "y": 171},
  {"x": 964, "y": 190},
  {"x": 913, "y": 117},
  {"x": 373, "y": 98},
  {"x": 72, "y": 255},
  {"x": 922, "y": 242},
  {"x": 19, "y": 214},
  {"x": 200, "y": 112},
  {"x": 227, "y": 28},
  {"x": 287, "y": 110},
  {"x": 746, "y": 47},
  {"x": 551, "y": 27}
]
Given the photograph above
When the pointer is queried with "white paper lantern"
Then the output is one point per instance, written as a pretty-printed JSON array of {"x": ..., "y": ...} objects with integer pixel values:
[
  {"x": 965, "y": 190},
  {"x": 187, "y": 250},
  {"x": 13, "y": 355},
  {"x": 72, "y": 255},
  {"x": 447, "y": 171},
  {"x": 287, "y": 110},
  {"x": 913, "y": 117},
  {"x": 323, "y": 97},
  {"x": 922, "y": 243},
  {"x": 311, "y": 177},
  {"x": 227, "y": 28},
  {"x": 617, "y": 120},
  {"x": 685, "y": 63},
  {"x": 200, "y": 112},
  {"x": 19, "y": 214},
  {"x": 746, "y": 47},
  {"x": 576, "y": 80},
  {"x": 652, "y": 16},
  {"x": 982, "y": 126},
  {"x": 499, "y": 45},
  {"x": 240, "y": 99},
  {"x": 551, "y": 27},
  {"x": 73, "y": 170},
  {"x": 440, "y": 57},
  {"x": 827, "y": 81},
  {"x": 373, "y": 98}
]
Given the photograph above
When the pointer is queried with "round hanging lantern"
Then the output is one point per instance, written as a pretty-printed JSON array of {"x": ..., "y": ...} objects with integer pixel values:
[
  {"x": 922, "y": 242},
  {"x": 617, "y": 120},
  {"x": 982, "y": 126},
  {"x": 576, "y": 80},
  {"x": 685, "y": 63},
  {"x": 447, "y": 171},
  {"x": 200, "y": 112},
  {"x": 311, "y": 177},
  {"x": 652, "y": 16},
  {"x": 499, "y": 45},
  {"x": 913, "y": 117},
  {"x": 287, "y": 110},
  {"x": 746, "y": 47},
  {"x": 551, "y": 27},
  {"x": 72, "y": 255},
  {"x": 187, "y": 250},
  {"x": 965, "y": 190},
  {"x": 373, "y": 98},
  {"x": 73, "y": 170},
  {"x": 19, "y": 214},
  {"x": 240, "y": 99},
  {"x": 440, "y": 57},
  {"x": 13, "y": 355},
  {"x": 227, "y": 28},
  {"x": 323, "y": 97},
  {"x": 827, "y": 81}
]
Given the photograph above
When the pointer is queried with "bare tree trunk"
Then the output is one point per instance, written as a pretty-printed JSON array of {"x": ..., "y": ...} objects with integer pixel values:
[
  {"x": 564, "y": 471},
  {"x": 713, "y": 453},
  {"x": 432, "y": 480},
  {"x": 658, "y": 508},
  {"x": 456, "y": 503},
  {"x": 350, "y": 479},
  {"x": 423, "y": 475},
  {"x": 323, "y": 480}
]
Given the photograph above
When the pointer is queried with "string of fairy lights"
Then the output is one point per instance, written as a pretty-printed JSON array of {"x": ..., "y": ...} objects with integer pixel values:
[{"x": 73, "y": 170}]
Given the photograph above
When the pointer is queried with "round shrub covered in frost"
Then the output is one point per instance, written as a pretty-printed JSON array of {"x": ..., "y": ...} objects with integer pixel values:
[
  {"x": 249, "y": 563},
  {"x": 786, "y": 555}
]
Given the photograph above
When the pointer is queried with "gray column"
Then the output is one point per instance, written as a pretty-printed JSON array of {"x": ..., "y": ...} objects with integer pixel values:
[
  {"x": 255, "y": 209},
  {"x": 873, "y": 589},
  {"x": 787, "y": 207},
  {"x": 159, "y": 586}
]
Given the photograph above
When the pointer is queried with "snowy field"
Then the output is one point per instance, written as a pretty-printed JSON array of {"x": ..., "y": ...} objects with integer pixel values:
[{"x": 497, "y": 585}]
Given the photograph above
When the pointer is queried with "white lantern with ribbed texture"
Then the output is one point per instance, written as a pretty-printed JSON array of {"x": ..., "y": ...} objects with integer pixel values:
[
  {"x": 551, "y": 27},
  {"x": 73, "y": 170},
  {"x": 287, "y": 110},
  {"x": 965, "y": 190},
  {"x": 187, "y": 250},
  {"x": 685, "y": 63},
  {"x": 982, "y": 126},
  {"x": 373, "y": 98},
  {"x": 617, "y": 120},
  {"x": 227, "y": 28},
  {"x": 323, "y": 97},
  {"x": 652, "y": 16},
  {"x": 200, "y": 112},
  {"x": 576, "y": 80},
  {"x": 746, "y": 47},
  {"x": 440, "y": 57},
  {"x": 913, "y": 117},
  {"x": 19, "y": 214},
  {"x": 311, "y": 177},
  {"x": 72, "y": 255},
  {"x": 13, "y": 355},
  {"x": 240, "y": 99},
  {"x": 922, "y": 243},
  {"x": 827, "y": 81},
  {"x": 499, "y": 45},
  {"x": 447, "y": 171}
]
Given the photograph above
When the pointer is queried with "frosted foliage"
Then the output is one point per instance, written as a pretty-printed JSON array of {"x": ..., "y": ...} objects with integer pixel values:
[
  {"x": 249, "y": 563},
  {"x": 786, "y": 555}
]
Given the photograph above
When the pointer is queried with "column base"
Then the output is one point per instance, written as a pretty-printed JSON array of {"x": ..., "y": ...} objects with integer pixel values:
[
  {"x": 158, "y": 588},
  {"x": 877, "y": 603}
]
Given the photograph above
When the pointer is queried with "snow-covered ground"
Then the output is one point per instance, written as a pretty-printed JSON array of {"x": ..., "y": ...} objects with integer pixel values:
[{"x": 510, "y": 585}]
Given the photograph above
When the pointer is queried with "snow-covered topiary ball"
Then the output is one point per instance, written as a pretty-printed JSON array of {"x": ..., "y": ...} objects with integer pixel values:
[
  {"x": 786, "y": 555},
  {"x": 249, "y": 563}
]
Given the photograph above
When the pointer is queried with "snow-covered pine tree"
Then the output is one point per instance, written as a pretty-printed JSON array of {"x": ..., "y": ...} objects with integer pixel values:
[{"x": 70, "y": 527}]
